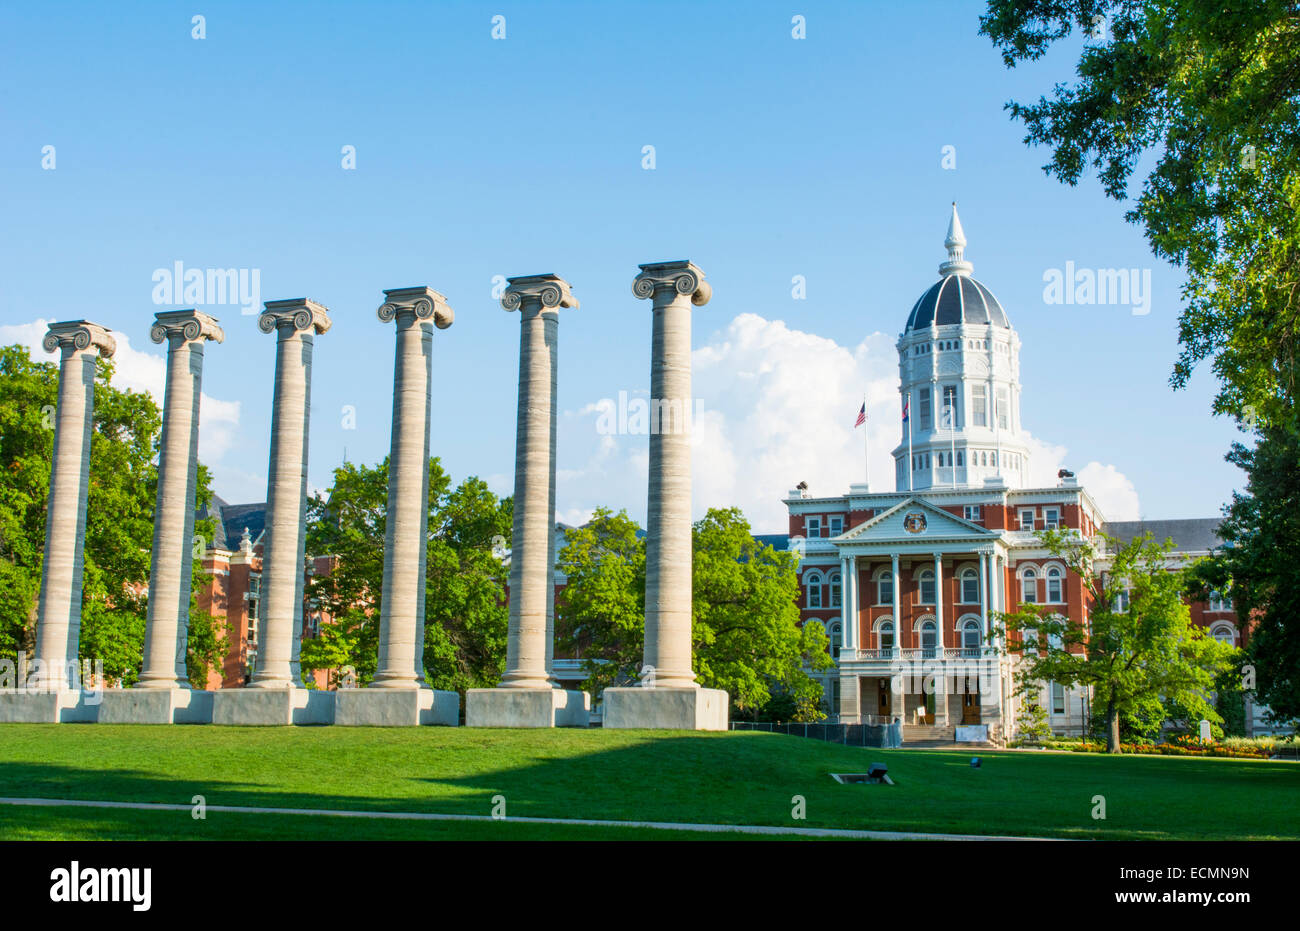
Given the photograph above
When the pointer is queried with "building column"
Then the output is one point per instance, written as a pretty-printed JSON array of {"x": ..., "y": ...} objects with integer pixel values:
[
  {"x": 415, "y": 312},
  {"x": 941, "y": 663},
  {"x": 673, "y": 287},
  {"x": 529, "y": 639},
  {"x": 898, "y": 698},
  {"x": 984, "y": 594},
  {"x": 58, "y": 624},
  {"x": 845, "y": 608},
  {"x": 851, "y": 593},
  {"x": 296, "y": 324},
  {"x": 167, "y": 623}
]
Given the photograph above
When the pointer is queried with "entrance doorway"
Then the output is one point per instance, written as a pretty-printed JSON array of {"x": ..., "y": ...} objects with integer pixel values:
[
  {"x": 882, "y": 698},
  {"x": 970, "y": 706}
]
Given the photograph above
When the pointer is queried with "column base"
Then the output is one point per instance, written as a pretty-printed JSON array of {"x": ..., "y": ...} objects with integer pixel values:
[
  {"x": 527, "y": 708},
  {"x": 386, "y": 707},
  {"x": 35, "y": 707},
  {"x": 155, "y": 706},
  {"x": 666, "y": 709},
  {"x": 271, "y": 707}
]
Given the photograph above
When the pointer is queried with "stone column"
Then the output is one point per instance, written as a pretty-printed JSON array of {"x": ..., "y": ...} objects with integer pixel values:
[
  {"x": 984, "y": 596},
  {"x": 898, "y": 698},
  {"x": 167, "y": 624},
  {"x": 538, "y": 298},
  {"x": 415, "y": 312},
  {"x": 296, "y": 324},
  {"x": 528, "y": 695},
  {"x": 673, "y": 287},
  {"x": 58, "y": 624}
]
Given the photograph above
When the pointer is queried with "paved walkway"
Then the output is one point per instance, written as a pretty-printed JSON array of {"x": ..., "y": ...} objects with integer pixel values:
[{"x": 428, "y": 816}]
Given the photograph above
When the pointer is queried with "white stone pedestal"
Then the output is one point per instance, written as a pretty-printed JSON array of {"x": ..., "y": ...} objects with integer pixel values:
[
  {"x": 49, "y": 707},
  {"x": 663, "y": 708},
  {"x": 527, "y": 708},
  {"x": 272, "y": 707},
  {"x": 155, "y": 706},
  {"x": 380, "y": 707}
]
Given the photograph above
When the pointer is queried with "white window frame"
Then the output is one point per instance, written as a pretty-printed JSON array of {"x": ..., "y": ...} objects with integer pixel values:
[
  {"x": 1055, "y": 576},
  {"x": 886, "y": 578},
  {"x": 1029, "y": 583},
  {"x": 1052, "y": 518},
  {"x": 814, "y": 527},
  {"x": 921, "y": 580},
  {"x": 836, "y": 525},
  {"x": 813, "y": 585},
  {"x": 1021, "y": 517},
  {"x": 969, "y": 575},
  {"x": 973, "y": 512}
]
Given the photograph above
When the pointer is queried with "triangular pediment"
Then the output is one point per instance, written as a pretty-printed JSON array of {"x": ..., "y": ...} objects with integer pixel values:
[{"x": 915, "y": 519}]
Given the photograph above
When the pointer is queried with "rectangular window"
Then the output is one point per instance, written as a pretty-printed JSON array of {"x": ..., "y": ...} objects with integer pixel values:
[
  {"x": 970, "y": 588},
  {"x": 1026, "y": 518},
  {"x": 815, "y": 595},
  {"x": 886, "y": 595},
  {"x": 973, "y": 512},
  {"x": 1029, "y": 588},
  {"x": 1002, "y": 408},
  {"x": 1052, "y": 518},
  {"x": 949, "y": 421},
  {"x": 837, "y": 526},
  {"x": 1058, "y": 698},
  {"x": 979, "y": 405},
  {"x": 925, "y": 408},
  {"x": 927, "y": 589},
  {"x": 814, "y": 527}
]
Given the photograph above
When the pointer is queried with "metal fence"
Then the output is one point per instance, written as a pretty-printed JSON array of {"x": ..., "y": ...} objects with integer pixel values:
[{"x": 886, "y": 736}]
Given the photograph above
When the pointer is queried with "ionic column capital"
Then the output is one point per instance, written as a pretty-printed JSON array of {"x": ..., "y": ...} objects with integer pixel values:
[
  {"x": 423, "y": 303},
  {"x": 190, "y": 325},
  {"x": 661, "y": 280},
  {"x": 546, "y": 292},
  {"x": 79, "y": 335},
  {"x": 296, "y": 315}
]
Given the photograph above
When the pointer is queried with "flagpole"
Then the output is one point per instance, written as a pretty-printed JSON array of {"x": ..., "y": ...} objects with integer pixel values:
[
  {"x": 909, "y": 442},
  {"x": 866, "y": 442}
]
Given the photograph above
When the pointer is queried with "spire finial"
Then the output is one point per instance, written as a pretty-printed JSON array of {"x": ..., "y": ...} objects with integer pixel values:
[{"x": 955, "y": 243}]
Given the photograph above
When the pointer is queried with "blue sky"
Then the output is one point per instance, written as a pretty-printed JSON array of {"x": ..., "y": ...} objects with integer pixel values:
[{"x": 478, "y": 157}]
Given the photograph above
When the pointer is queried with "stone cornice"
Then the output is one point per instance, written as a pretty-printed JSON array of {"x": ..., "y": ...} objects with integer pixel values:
[
  {"x": 188, "y": 324},
  {"x": 79, "y": 335},
  {"x": 550, "y": 291},
  {"x": 679, "y": 278},
  {"x": 423, "y": 302},
  {"x": 300, "y": 313}
]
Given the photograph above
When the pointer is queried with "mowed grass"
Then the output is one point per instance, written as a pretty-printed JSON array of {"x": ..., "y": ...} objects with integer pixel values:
[{"x": 723, "y": 778}]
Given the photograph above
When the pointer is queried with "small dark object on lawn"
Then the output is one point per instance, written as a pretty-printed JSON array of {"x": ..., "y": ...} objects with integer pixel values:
[{"x": 974, "y": 762}]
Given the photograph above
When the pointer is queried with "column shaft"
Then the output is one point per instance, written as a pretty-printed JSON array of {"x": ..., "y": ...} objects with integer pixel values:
[
  {"x": 167, "y": 621},
  {"x": 58, "y": 629},
  {"x": 401, "y": 621},
  {"x": 528, "y": 645},
  {"x": 295, "y": 323}
]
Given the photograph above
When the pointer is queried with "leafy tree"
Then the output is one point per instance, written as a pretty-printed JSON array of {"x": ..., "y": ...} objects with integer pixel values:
[
  {"x": 1032, "y": 724},
  {"x": 1209, "y": 94},
  {"x": 1140, "y": 659},
  {"x": 119, "y": 517},
  {"x": 1257, "y": 564},
  {"x": 465, "y": 607},
  {"x": 746, "y": 636},
  {"x": 600, "y": 612}
]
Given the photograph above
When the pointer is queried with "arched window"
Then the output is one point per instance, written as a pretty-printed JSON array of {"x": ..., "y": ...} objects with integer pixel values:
[
  {"x": 885, "y": 589},
  {"x": 928, "y": 638},
  {"x": 1029, "y": 587},
  {"x": 835, "y": 590},
  {"x": 926, "y": 594},
  {"x": 970, "y": 634},
  {"x": 1055, "y": 593},
  {"x": 970, "y": 586},
  {"x": 885, "y": 635},
  {"x": 1224, "y": 634},
  {"x": 813, "y": 582},
  {"x": 836, "y": 638}
]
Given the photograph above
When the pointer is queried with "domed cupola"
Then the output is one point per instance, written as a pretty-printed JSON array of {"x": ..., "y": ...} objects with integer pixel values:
[
  {"x": 956, "y": 297},
  {"x": 959, "y": 373}
]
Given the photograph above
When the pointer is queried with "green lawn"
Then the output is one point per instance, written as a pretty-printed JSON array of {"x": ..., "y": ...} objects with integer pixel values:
[{"x": 727, "y": 778}]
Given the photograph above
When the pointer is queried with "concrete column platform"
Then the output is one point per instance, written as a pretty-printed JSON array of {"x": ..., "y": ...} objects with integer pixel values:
[
  {"x": 49, "y": 707},
  {"x": 155, "y": 706},
  {"x": 527, "y": 708},
  {"x": 251, "y": 707},
  {"x": 665, "y": 708},
  {"x": 405, "y": 707}
]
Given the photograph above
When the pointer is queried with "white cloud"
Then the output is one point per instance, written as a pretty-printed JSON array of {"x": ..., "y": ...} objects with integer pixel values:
[
  {"x": 778, "y": 408},
  {"x": 137, "y": 370}
]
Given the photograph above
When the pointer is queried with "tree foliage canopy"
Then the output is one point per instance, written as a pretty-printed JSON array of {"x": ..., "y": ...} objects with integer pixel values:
[
  {"x": 746, "y": 636},
  {"x": 1137, "y": 647}
]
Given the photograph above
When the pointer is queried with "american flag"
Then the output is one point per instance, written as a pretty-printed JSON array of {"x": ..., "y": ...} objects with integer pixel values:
[{"x": 862, "y": 416}]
